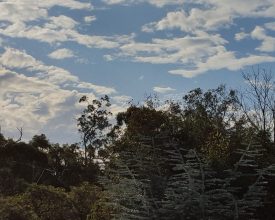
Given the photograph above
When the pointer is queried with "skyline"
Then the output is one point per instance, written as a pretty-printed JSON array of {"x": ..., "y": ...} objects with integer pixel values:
[{"x": 53, "y": 52}]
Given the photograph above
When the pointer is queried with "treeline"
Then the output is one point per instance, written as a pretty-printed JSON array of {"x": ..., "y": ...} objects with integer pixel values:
[{"x": 207, "y": 156}]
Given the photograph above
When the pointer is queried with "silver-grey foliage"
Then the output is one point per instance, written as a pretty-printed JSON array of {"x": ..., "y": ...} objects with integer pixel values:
[{"x": 191, "y": 190}]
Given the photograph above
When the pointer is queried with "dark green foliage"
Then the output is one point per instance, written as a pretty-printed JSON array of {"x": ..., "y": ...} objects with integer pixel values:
[
  {"x": 51, "y": 203},
  {"x": 40, "y": 142},
  {"x": 84, "y": 198},
  {"x": 16, "y": 208},
  {"x": 10, "y": 185},
  {"x": 22, "y": 159}
]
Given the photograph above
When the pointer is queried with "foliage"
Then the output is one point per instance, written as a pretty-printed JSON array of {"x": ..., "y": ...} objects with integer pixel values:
[
  {"x": 51, "y": 203},
  {"x": 200, "y": 158},
  {"x": 16, "y": 208},
  {"x": 92, "y": 124},
  {"x": 84, "y": 197},
  {"x": 10, "y": 185}
]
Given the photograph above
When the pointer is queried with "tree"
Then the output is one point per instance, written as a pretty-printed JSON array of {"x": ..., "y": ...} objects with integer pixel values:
[
  {"x": 24, "y": 160},
  {"x": 212, "y": 123},
  {"x": 93, "y": 124},
  {"x": 51, "y": 203},
  {"x": 40, "y": 142},
  {"x": 16, "y": 208},
  {"x": 84, "y": 198},
  {"x": 10, "y": 184},
  {"x": 194, "y": 190},
  {"x": 258, "y": 101}
]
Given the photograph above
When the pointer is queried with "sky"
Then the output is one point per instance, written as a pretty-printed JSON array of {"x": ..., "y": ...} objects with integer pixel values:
[{"x": 53, "y": 52}]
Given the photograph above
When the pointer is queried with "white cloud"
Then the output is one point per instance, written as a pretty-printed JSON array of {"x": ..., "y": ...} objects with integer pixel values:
[
  {"x": 163, "y": 89},
  {"x": 99, "y": 89},
  {"x": 157, "y": 3},
  {"x": 123, "y": 99},
  {"x": 52, "y": 32},
  {"x": 196, "y": 19},
  {"x": 61, "y": 21},
  {"x": 89, "y": 19},
  {"x": 30, "y": 103},
  {"x": 270, "y": 26},
  {"x": 268, "y": 42},
  {"x": 209, "y": 15},
  {"x": 29, "y": 10},
  {"x": 61, "y": 54},
  {"x": 241, "y": 35},
  {"x": 202, "y": 49},
  {"x": 45, "y": 101},
  {"x": 13, "y": 58},
  {"x": 108, "y": 57},
  {"x": 50, "y": 29},
  {"x": 196, "y": 54},
  {"x": 223, "y": 60},
  {"x": 120, "y": 104},
  {"x": 191, "y": 49}
]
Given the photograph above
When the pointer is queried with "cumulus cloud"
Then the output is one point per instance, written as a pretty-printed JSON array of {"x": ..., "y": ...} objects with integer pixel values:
[
  {"x": 189, "y": 22},
  {"x": 267, "y": 42},
  {"x": 61, "y": 54},
  {"x": 160, "y": 89},
  {"x": 30, "y": 103},
  {"x": 43, "y": 101}
]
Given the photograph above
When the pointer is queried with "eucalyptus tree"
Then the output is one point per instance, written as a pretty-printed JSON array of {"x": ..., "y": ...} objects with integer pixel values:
[{"x": 93, "y": 125}]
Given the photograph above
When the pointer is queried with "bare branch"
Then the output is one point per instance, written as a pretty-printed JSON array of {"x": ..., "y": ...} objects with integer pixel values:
[{"x": 20, "y": 136}]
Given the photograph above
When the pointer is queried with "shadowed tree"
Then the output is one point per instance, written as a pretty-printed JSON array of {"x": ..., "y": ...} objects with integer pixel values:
[{"x": 40, "y": 142}]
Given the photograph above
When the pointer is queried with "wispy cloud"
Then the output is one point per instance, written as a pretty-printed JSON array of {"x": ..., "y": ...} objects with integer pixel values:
[
  {"x": 89, "y": 19},
  {"x": 160, "y": 89}
]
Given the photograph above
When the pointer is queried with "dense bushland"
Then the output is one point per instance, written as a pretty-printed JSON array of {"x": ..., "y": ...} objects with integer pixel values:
[{"x": 207, "y": 156}]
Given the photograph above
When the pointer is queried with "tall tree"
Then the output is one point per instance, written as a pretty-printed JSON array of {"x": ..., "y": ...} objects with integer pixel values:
[
  {"x": 258, "y": 101},
  {"x": 93, "y": 124}
]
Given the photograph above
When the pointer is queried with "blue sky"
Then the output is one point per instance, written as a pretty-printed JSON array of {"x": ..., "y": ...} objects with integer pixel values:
[{"x": 53, "y": 52}]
